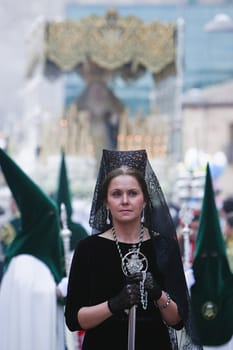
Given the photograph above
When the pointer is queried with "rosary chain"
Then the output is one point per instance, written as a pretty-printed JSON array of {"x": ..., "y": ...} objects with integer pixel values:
[{"x": 117, "y": 243}]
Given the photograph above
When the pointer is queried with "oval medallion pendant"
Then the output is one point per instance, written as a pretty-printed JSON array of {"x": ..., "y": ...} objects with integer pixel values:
[{"x": 134, "y": 262}]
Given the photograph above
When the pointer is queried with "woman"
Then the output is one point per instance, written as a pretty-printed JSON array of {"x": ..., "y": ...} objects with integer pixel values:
[{"x": 132, "y": 259}]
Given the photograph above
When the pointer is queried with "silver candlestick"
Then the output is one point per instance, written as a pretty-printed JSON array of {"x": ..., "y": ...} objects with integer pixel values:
[
  {"x": 66, "y": 234},
  {"x": 186, "y": 215},
  {"x": 71, "y": 340}
]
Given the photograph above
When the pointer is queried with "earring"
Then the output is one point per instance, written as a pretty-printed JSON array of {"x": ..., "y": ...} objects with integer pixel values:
[
  {"x": 108, "y": 222},
  {"x": 143, "y": 215}
]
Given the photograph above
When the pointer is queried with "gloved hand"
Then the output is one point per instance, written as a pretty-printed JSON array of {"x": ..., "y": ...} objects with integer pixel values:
[
  {"x": 152, "y": 287},
  {"x": 135, "y": 278},
  {"x": 129, "y": 296},
  {"x": 62, "y": 287}
]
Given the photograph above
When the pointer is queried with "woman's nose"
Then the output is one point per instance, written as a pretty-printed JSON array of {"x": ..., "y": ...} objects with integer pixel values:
[{"x": 125, "y": 198}]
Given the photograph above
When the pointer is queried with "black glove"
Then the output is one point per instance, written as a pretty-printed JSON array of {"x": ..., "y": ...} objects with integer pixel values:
[
  {"x": 152, "y": 287},
  {"x": 135, "y": 278},
  {"x": 129, "y": 296}
]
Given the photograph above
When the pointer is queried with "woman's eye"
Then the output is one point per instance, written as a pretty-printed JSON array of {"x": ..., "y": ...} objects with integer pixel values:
[
  {"x": 116, "y": 194},
  {"x": 132, "y": 193}
]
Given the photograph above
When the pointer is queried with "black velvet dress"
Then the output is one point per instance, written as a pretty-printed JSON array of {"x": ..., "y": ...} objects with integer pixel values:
[{"x": 96, "y": 276}]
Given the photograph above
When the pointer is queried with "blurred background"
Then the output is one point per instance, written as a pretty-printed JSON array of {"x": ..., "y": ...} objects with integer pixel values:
[{"x": 71, "y": 79}]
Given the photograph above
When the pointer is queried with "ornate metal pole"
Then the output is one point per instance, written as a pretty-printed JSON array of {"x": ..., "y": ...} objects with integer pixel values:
[
  {"x": 135, "y": 262},
  {"x": 66, "y": 234},
  {"x": 131, "y": 328},
  {"x": 186, "y": 215},
  {"x": 71, "y": 340}
]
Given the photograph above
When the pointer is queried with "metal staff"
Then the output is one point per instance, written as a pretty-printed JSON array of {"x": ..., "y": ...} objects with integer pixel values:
[
  {"x": 186, "y": 215},
  {"x": 131, "y": 328},
  {"x": 134, "y": 262},
  {"x": 66, "y": 234},
  {"x": 71, "y": 341}
]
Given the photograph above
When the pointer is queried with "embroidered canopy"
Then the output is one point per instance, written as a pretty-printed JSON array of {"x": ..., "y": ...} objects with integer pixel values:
[{"x": 124, "y": 45}]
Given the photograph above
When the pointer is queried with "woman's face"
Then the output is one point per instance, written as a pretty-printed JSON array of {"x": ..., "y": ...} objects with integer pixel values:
[{"x": 125, "y": 198}]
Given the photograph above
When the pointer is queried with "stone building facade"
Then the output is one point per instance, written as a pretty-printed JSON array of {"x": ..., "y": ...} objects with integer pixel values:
[{"x": 208, "y": 126}]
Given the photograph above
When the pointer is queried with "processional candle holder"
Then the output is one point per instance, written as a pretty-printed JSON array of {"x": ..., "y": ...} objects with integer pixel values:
[
  {"x": 71, "y": 341},
  {"x": 186, "y": 216},
  {"x": 65, "y": 234}
]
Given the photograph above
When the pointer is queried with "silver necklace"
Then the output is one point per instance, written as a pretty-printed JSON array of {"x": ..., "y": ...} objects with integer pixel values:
[{"x": 133, "y": 262}]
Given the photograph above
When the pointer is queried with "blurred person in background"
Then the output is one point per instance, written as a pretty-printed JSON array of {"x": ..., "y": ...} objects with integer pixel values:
[
  {"x": 30, "y": 315},
  {"x": 228, "y": 235},
  {"x": 212, "y": 286},
  {"x": 12, "y": 227},
  {"x": 226, "y": 215}
]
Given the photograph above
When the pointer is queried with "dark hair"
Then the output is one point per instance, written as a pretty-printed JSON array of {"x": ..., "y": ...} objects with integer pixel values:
[
  {"x": 230, "y": 220},
  {"x": 228, "y": 204},
  {"x": 125, "y": 170}
]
